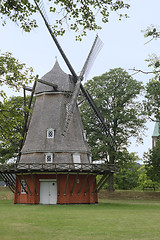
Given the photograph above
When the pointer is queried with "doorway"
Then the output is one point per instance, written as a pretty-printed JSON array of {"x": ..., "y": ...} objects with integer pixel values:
[{"x": 48, "y": 192}]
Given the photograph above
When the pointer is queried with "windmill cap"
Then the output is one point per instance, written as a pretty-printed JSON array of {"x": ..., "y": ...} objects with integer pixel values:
[
  {"x": 58, "y": 77},
  {"x": 156, "y": 130}
]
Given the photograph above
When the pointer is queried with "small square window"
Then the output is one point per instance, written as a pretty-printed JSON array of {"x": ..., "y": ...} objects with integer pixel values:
[
  {"x": 50, "y": 133},
  {"x": 49, "y": 158}
]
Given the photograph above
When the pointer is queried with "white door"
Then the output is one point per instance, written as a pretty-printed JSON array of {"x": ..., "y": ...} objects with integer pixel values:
[{"x": 48, "y": 192}]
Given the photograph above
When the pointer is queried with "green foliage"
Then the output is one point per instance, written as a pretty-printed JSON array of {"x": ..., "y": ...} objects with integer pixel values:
[
  {"x": 13, "y": 73},
  {"x": 152, "y": 100},
  {"x": 152, "y": 88},
  {"x": 12, "y": 120},
  {"x": 144, "y": 181},
  {"x": 152, "y": 31},
  {"x": 152, "y": 163},
  {"x": 19, "y": 12},
  {"x": 127, "y": 178},
  {"x": 76, "y": 15},
  {"x": 115, "y": 93}
]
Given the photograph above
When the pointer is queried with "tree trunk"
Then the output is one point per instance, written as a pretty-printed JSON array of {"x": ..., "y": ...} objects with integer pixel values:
[{"x": 110, "y": 182}]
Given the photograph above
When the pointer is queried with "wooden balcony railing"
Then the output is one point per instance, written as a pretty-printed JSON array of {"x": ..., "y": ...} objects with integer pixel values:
[{"x": 57, "y": 167}]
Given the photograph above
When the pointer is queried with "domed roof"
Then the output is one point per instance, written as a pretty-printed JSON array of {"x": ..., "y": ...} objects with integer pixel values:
[{"x": 56, "y": 76}]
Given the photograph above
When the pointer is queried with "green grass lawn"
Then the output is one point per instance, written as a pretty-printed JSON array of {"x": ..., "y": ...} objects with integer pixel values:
[{"x": 109, "y": 220}]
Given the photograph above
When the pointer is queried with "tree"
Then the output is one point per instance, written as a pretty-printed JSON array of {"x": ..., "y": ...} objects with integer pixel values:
[
  {"x": 12, "y": 121},
  {"x": 152, "y": 163},
  {"x": 77, "y": 15},
  {"x": 13, "y": 73},
  {"x": 116, "y": 94},
  {"x": 152, "y": 99},
  {"x": 144, "y": 181},
  {"x": 127, "y": 178},
  {"x": 153, "y": 33}
]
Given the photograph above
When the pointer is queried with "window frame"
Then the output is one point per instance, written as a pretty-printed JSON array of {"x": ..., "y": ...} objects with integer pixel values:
[
  {"x": 23, "y": 182},
  {"x": 47, "y": 155},
  {"x": 75, "y": 155},
  {"x": 90, "y": 158},
  {"x": 85, "y": 135},
  {"x": 53, "y": 132}
]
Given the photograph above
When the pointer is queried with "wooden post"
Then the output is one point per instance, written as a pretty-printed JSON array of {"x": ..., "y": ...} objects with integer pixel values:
[
  {"x": 11, "y": 180},
  {"x": 24, "y": 94},
  {"x": 66, "y": 184},
  {"x": 34, "y": 182},
  {"x": 26, "y": 120},
  {"x": 49, "y": 84},
  {"x": 74, "y": 184},
  {"x": 6, "y": 181},
  {"x": 103, "y": 183},
  {"x": 85, "y": 180},
  {"x": 100, "y": 181},
  {"x": 87, "y": 189},
  {"x": 14, "y": 183},
  {"x": 57, "y": 184}
]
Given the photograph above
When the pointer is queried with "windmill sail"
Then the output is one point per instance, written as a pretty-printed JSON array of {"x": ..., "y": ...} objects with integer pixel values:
[
  {"x": 41, "y": 9},
  {"x": 71, "y": 106},
  {"x": 97, "y": 45}
]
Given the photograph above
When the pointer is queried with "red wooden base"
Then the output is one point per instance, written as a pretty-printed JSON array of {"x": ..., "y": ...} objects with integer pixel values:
[{"x": 71, "y": 189}]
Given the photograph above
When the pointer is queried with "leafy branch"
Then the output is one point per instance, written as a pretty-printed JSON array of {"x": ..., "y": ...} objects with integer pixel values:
[
  {"x": 13, "y": 73},
  {"x": 77, "y": 15}
]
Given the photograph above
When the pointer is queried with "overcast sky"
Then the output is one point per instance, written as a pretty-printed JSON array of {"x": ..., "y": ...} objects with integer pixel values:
[{"x": 123, "y": 47}]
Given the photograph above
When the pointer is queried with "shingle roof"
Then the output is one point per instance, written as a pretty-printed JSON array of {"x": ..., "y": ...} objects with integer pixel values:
[
  {"x": 58, "y": 77},
  {"x": 49, "y": 113}
]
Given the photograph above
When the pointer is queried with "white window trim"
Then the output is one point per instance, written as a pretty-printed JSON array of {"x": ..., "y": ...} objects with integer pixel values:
[
  {"x": 53, "y": 131},
  {"x": 85, "y": 135},
  {"x": 24, "y": 186},
  {"x": 77, "y": 159},
  {"x": 49, "y": 154},
  {"x": 90, "y": 158}
]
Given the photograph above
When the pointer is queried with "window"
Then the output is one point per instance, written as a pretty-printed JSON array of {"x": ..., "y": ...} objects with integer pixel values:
[
  {"x": 77, "y": 160},
  {"x": 90, "y": 158},
  {"x": 50, "y": 133},
  {"x": 23, "y": 183},
  {"x": 85, "y": 135},
  {"x": 49, "y": 157}
]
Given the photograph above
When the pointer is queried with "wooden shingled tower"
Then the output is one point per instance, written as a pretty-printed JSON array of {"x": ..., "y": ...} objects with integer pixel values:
[
  {"x": 54, "y": 165},
  {"x": 62, "y": 163}
]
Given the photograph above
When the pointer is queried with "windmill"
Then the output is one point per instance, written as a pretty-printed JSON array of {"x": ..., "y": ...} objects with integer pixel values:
[
  {"x": 54, "y": 164},
  {"x": 77, "y": 79}
]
